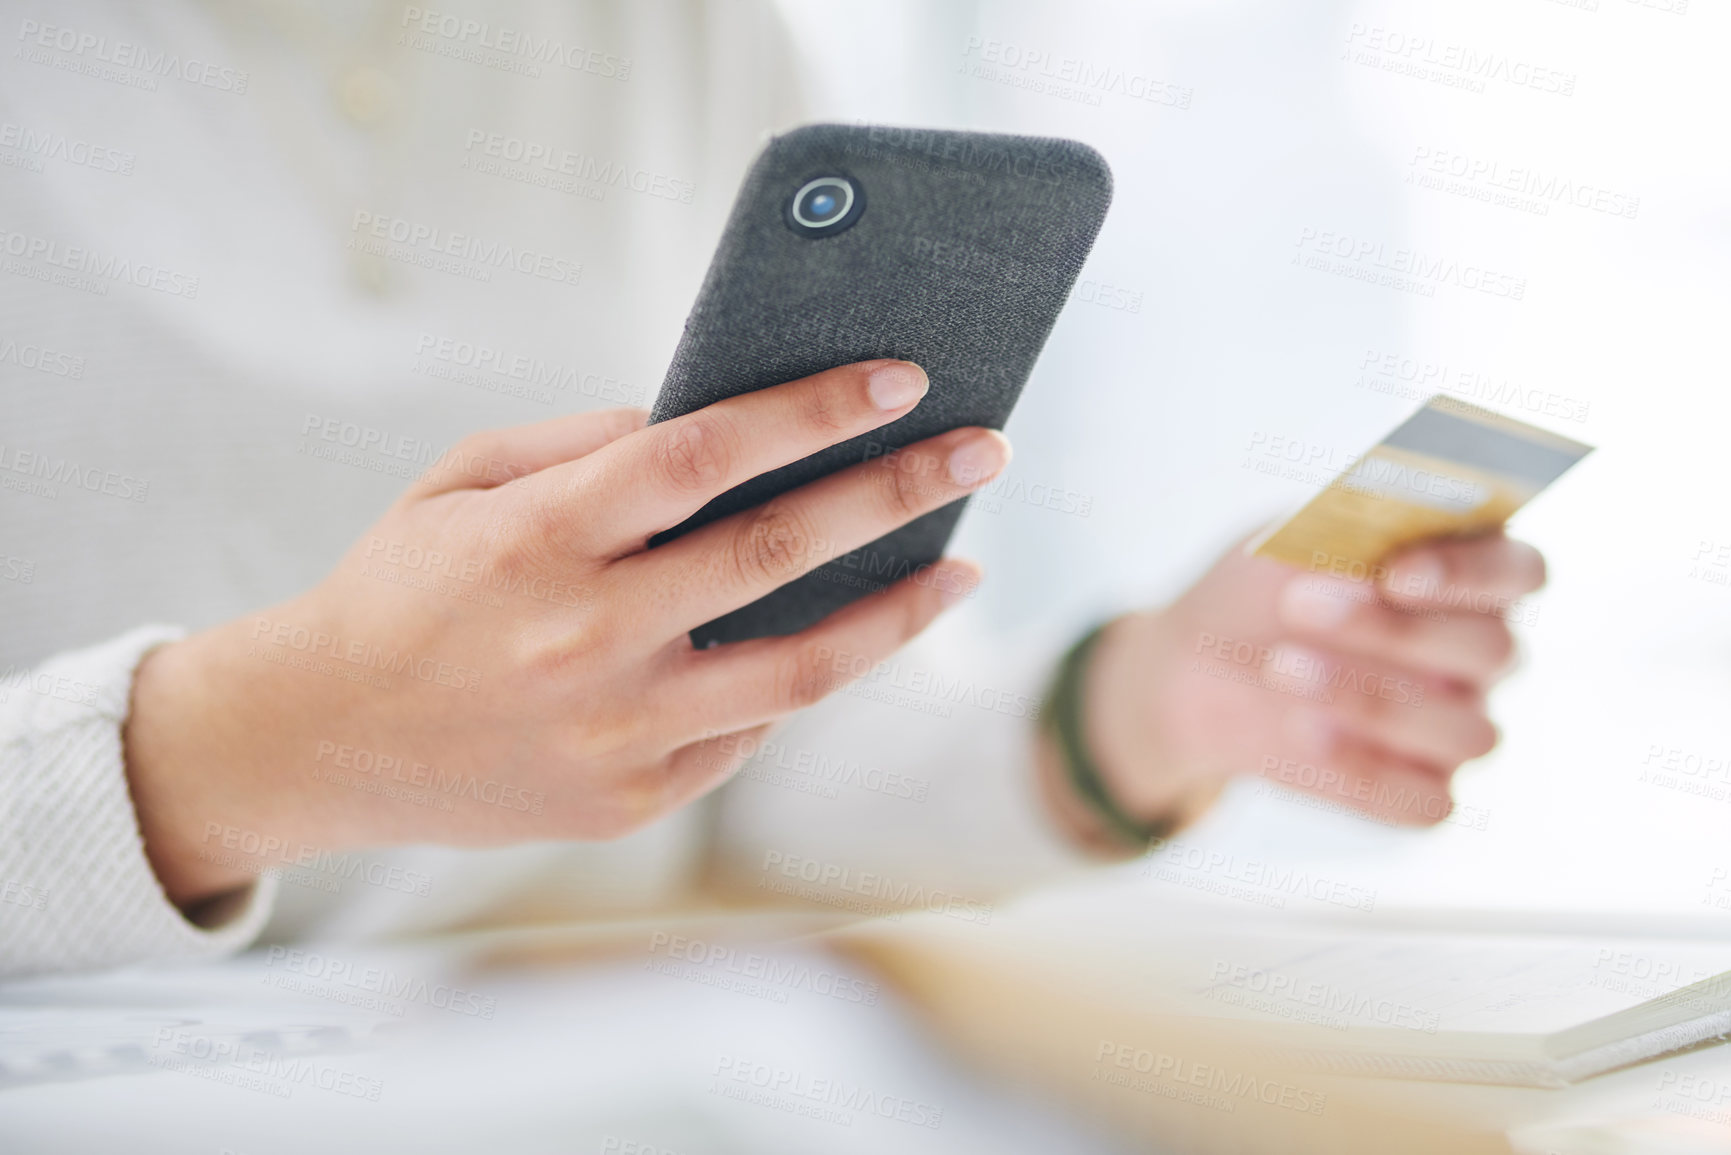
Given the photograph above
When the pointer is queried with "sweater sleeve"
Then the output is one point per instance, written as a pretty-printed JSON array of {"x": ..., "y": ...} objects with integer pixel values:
[
  {"x": 76, "y": 890},
  {"x": 918, "y": 779}
]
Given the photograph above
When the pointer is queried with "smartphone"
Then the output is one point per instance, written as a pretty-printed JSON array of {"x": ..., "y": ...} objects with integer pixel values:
[{"x": 954, "y": 250}]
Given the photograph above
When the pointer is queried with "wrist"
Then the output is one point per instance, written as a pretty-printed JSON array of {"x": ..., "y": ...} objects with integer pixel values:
[
  {"x": 1113, "y": 780},
  {"x": 1093, "y": 809},
  {"x": 1128, "y": 730},
  {"x": 197, "y": 743},
  {"x": 1079, "y": 822}
]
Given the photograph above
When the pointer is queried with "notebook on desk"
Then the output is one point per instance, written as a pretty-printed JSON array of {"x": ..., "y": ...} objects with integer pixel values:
[
  {"x": 1505, "y": 1000},
  {"x": 1472, "y": 1005}
]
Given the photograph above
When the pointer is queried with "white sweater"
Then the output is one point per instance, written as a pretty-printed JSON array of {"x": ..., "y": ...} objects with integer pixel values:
[{"x": 78, "y": 890}]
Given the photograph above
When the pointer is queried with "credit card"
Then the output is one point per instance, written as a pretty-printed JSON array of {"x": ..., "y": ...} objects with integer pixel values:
[{"x": 1450, "y": 469}]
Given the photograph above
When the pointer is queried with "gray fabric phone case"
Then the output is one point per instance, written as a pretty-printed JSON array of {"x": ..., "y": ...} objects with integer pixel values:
[{"x": 962, "y": 257}]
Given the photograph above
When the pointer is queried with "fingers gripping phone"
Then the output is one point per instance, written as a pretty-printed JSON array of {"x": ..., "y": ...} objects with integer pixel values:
[{"x": 954, "y": 250}]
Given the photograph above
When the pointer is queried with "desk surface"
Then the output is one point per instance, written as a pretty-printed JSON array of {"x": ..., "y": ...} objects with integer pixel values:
[
  {"x": 692, "y": 1037},
  {"x": 764, "y": 1050}
]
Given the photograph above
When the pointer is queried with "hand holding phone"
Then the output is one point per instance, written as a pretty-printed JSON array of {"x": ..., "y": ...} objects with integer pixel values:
[
  {"x": 516, "y": 650},
  {"x": 954, "y": 250}
]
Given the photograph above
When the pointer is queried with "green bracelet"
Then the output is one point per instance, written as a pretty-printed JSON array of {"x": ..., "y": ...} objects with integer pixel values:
[{"x": 1064, "y": 721}]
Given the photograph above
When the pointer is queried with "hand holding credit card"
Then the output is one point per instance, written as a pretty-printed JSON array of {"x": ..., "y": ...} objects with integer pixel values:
[
  {"x": 1451, "y": 469},
  {"x": 1356, "y": 671}
]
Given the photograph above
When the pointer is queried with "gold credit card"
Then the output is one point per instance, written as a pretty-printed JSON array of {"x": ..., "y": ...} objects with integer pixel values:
[{"x": 1449, "y": 469}]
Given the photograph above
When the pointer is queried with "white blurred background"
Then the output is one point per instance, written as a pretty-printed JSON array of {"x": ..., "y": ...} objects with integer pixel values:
[{"x": 1622, "y": 321}]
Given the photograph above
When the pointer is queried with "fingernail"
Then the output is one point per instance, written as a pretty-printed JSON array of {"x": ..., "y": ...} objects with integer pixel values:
[
  {"x": 979, "y": 459},
  {"x": 896, "y": 385},
  {"x": 958, "y": 581},
  {"x": 1527, "y": 557},
  {"x": 1314, "y": 605},
  {"x": 1418, "y": 576}
]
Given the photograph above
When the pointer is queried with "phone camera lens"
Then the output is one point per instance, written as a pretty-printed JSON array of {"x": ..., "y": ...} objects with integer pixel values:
[
  {"x": 822, "y": 202},
  {"x": 825, "y": 206}
]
